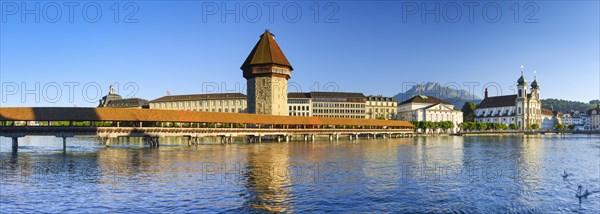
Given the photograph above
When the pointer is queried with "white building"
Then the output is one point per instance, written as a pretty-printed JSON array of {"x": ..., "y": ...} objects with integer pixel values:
[
  {"x": 428, "y": 108},
  {"x": 567, "y": 119},
  {"x": 300, "y": 104},
  {"x": 549, "y": 119},
  {"x": 586, "y": 122},
  {"x": 522, "y": 109}
]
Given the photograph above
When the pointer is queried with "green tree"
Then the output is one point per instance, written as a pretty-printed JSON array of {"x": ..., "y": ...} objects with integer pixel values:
[
  {"x": 535, "y": 126},
  {"x": 481, "y": 126},
  {"x": 468, "y": 111},
  {"x": 381, "y": 117},
  {"x": 512, "y": 126},
  {"x": 559, "y": 126},
  {"x": 416, "y": 125},
  {"x": 445, "y": 125},
  {"x": 571, "y": 127}
]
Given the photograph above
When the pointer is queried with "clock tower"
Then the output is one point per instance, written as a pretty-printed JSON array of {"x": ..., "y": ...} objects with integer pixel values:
[{"x": 267, "y": 71}]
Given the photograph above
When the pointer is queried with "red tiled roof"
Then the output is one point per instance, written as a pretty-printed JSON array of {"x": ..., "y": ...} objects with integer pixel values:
[
  {"x": 153, "y": 115},
  {"x": 266, "y": 51}
]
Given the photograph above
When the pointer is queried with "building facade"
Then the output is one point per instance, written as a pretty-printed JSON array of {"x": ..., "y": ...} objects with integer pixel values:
[
  {"x": 594, "y": 117},
  {"x": 225, "y": 102},
  {"x": 338, "y": 104},
  {"x": 113, "y": 100},
  {"x": 300, "y": 104},
  {"x": 428, "y": 108},
  {"x": 549, "y": 119},
  {"x": 267, "y": 71},
  {"x": 522, "y": 109},
  {"x": 381, "y": 107}
]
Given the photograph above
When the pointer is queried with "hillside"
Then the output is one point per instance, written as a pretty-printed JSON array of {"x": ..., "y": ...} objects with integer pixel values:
[{"x": 567, "y": 105}]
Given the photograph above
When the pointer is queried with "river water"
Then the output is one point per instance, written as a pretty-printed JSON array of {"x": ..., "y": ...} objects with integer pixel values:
[{"x": 424, "y": 174}]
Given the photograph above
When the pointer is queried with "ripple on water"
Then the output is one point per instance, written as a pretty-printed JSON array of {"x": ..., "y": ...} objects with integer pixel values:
[{"x": 434, "y": 174}]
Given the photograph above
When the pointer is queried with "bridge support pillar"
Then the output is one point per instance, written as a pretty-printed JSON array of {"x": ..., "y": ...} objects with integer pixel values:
[
  {"x": 383, "y": 136},
  {"x": 287, "y": 138},
  {"x": 154, "y": 142},
  {"x": 350, "y": 136},
  {"x": 356, "y": 136},
  {"x": 15, "y": 143},
  {"x": 312, "y": 137},
  {"x": 107, "y": 142},
  {"x": 337, "y": 137},
  {"x": 330, "y": 137},
  {"x": 64, "y": 143},
  {"x": 305, "y": 138},
  {"x": 259, "y": 139}
]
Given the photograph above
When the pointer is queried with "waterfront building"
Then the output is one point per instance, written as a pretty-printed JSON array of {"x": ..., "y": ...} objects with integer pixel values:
[
  {"x": 567, "y": 119},
  {"x": 429, "y": 108},
  {"x": 113, "y": 100},
  {"x": 580, "y": 120},
  {"x": 223, "y": 102},
  {"x": 585, "y": 122},
  {"x": 549, "y": 119},
  {"x": 381, "y": 107},
  {"x": 267, "y": 71},
  {"x": 522, "y": 109},
  {"x": 300, "y": 104},
  {"x": 338, "y": 104},
  {"x": 594, "y": 114}
]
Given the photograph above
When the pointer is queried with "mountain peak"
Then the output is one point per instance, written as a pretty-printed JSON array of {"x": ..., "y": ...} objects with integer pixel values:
[{"x": 457, "y": 97}]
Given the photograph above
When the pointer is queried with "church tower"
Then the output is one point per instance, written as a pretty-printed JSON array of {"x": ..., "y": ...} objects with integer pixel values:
[
  {"x": 521, "y": 102},
  {"x": 535, "y": 104},
  {"x": 267, "y": 71}
]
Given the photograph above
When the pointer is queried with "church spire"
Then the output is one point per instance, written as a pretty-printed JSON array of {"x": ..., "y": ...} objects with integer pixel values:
[
  {"x": 534, "y": 84},
  {"x": 521, "y": 80}
]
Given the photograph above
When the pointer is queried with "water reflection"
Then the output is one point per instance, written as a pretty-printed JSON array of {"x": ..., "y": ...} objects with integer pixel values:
[
  {"x": 268, "y": 180},
  {"x": 432, "y": 174}
]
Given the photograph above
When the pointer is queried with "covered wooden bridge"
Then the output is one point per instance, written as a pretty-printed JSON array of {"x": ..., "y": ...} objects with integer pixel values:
[{"x": 110, "y": 123}]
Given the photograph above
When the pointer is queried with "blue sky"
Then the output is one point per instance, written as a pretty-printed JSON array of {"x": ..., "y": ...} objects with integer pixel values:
[{"x": 378, "y": 48}]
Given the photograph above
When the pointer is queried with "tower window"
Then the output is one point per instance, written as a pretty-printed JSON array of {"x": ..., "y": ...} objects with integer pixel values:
[{"x": 520, "y": 93}]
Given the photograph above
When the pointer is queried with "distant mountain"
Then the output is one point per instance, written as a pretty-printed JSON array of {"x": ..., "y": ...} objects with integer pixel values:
[
  {"x": 567, "y": 105},
  {"x": 448, "y": 94}
]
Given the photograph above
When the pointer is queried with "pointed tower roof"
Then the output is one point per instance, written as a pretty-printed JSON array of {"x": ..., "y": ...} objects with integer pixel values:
[
  {"x": 266, "y": 51},
  {"x": 521, "y": 81},
  {"x": 534, "y": 84}
]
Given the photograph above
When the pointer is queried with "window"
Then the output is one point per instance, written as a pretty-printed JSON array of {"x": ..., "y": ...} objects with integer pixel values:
[
  {"x": 519, "y": 110},
  {"x": 520, "y": 92}
]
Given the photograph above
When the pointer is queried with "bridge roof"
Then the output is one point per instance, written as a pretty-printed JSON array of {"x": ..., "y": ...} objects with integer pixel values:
[{"x": 153, "y": 115}]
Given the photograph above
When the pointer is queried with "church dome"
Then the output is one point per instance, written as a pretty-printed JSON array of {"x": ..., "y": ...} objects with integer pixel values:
[
  {"x": 534, "y": 84},
  {"x": 521, "y": 80}
]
